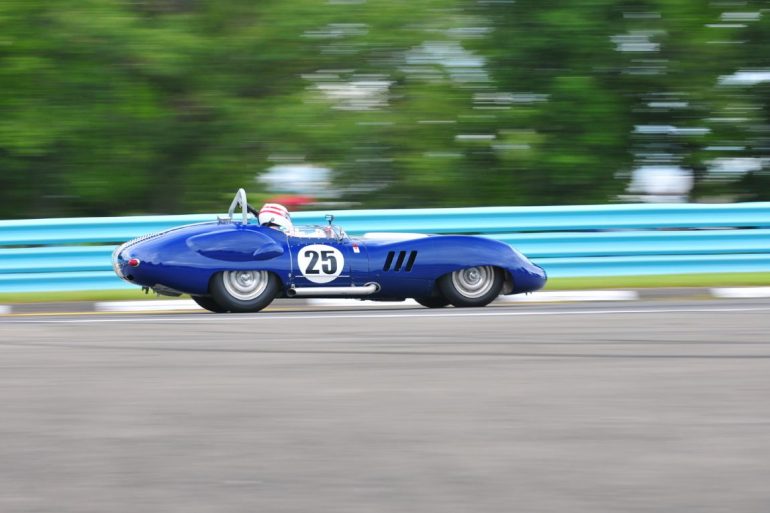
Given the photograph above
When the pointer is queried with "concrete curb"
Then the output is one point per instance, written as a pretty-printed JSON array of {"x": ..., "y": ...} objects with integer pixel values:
[
  {"x": 163, "y": 305},
  {"x": 179, "y": 305},
  {"x": 741, "y": 292}
]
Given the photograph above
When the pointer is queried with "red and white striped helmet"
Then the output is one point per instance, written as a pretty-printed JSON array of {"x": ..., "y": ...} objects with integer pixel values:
[{"x": 275, "y": 214}]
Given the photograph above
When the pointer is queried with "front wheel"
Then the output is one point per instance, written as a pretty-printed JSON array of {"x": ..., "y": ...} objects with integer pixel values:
[
  {"x": 474, "y": 286},
  {"x": 244, "y": 291}
]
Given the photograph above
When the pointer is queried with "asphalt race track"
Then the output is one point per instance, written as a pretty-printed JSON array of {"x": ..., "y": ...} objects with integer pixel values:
[{"x": 635, "y": 407}]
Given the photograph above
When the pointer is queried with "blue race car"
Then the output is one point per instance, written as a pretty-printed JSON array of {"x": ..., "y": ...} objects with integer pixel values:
[{"x": 239, "y": 265}]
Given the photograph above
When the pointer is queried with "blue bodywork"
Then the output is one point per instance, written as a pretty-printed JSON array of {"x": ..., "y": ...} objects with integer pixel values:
[{"x": 184, "y": 259}]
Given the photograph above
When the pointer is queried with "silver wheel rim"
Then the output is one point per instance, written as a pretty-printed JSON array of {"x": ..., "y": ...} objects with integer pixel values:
[
  {"x": 245, "y": 285},
  {"x": 474, "y": 282}
]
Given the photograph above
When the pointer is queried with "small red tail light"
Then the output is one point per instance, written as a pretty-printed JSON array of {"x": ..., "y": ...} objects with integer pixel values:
[{"x": 134, "y": 262}]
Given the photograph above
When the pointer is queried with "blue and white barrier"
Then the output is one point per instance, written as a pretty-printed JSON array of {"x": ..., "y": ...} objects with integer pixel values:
[{"x": 604, "y": 240}]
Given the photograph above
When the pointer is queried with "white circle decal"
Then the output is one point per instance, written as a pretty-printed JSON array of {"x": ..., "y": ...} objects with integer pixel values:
[{"x": 320, "y": 263}]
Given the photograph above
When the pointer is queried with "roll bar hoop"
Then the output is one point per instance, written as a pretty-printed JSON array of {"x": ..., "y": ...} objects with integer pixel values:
[{"x": 239, "y": 199}]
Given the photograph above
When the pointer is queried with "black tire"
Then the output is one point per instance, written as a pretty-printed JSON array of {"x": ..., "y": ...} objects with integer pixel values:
[
  {"x": 472, "y": 287},
  {"x": 432, "y": 301},
  {"x": 244, "y": 291},
  {"x": 208, "y": 303}
]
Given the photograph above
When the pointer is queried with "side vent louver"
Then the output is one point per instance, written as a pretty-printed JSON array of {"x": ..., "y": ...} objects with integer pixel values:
[
  {"x": 410, "y": 262},
  {"x": 400, "y": 260},
  {"x": 388, "y": 261}
]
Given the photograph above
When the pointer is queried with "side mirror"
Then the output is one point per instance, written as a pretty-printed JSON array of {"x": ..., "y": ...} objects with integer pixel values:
[{"x": 330, "y": 218}]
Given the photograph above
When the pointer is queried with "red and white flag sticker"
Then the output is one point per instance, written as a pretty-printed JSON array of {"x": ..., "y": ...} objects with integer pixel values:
[{"x": 355, "y": 248}]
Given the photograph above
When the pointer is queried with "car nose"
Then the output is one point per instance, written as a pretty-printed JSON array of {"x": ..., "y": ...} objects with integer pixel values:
[{"x": 535, "y": 277}]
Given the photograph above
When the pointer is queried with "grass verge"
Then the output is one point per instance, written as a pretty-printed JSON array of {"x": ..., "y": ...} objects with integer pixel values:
[
  {"x": 79, "y": 295},
  {"x": 661, "y": 281},
  {"x": 608, "y": 282}
]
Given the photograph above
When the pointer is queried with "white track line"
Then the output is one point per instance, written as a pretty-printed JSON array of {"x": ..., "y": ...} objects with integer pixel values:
[
  {"x": 417, "y": 314},
  {"x": 741, "y": 292},
  {"x": 5, "y": 309},
  {"x": 161, "y": 305},
  {"x": 571, "y": 295},
  {"x": 537, "y": 297},
  {"x": 179, "y": 305}
]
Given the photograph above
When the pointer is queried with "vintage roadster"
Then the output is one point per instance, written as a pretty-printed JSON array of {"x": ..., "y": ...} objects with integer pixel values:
[{"x": 233, "y": 264}]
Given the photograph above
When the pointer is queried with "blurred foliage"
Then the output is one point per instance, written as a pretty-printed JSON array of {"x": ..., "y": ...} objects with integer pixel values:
[{"x": 167, "y": 106}]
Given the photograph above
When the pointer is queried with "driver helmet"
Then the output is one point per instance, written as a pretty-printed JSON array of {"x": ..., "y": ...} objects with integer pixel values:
[{"x": 275, "y": 215}]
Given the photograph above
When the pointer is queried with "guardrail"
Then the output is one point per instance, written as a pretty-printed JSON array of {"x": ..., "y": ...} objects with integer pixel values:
[{"x": 606, "y": 240}]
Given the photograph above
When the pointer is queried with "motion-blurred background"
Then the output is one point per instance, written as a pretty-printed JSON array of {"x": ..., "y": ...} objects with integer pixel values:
[{"x": 112, "y": 107}]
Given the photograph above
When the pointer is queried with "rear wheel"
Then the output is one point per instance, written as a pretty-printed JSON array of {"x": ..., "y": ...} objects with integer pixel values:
[
  {"x": 432, "y": 301},
  {"x": 474, "y": 286},
  {"x": 208, "y": 303},
  {"x": 244, "y": 291}
]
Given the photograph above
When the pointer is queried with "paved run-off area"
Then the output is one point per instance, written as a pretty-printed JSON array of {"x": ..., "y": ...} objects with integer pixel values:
[{"x": 639, "y": 407}]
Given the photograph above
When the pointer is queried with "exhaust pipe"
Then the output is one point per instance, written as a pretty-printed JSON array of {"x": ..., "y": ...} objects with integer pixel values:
[{"x": 364, "y": 290}]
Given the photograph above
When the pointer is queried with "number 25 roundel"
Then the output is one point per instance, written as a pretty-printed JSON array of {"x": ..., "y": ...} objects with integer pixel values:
[{"x": 320, "y": 263}]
